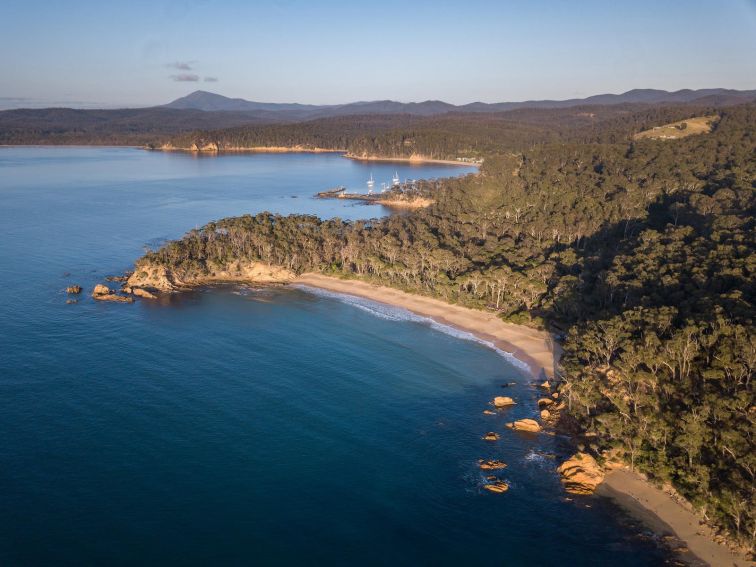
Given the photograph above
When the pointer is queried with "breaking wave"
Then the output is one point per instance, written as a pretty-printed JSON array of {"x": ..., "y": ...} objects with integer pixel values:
[{"x": 392, "y": 313}]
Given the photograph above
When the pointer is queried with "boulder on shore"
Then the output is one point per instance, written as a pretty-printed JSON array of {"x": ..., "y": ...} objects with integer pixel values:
[
  {"x": 503, "y": 401},
  {"x": 530, "y": 425},
  {"x": 581, "y": 474},
  {"x": 75, "y": 289},
  {"x": 545, "y": 385},
  {"x": 545, "y": 402},
  {"x": 545, "y": 414}
]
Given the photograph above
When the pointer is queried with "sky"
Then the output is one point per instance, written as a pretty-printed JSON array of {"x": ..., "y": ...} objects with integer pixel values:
[{"x": 105, "y": 54}]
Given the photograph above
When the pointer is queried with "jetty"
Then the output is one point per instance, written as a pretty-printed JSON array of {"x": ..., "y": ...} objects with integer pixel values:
[{"x": 398, "y": 190}]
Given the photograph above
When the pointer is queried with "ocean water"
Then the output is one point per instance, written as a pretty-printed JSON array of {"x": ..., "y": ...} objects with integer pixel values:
[{"x": 237, "y": 426}]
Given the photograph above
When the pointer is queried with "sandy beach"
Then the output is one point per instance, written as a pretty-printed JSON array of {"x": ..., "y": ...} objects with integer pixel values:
[
  {"x": 531, "y": 346},
  {"x": 662, "y": 513}
]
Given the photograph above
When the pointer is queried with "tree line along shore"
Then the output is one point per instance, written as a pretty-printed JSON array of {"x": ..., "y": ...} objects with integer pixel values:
[{"x": 637, "y": 254}]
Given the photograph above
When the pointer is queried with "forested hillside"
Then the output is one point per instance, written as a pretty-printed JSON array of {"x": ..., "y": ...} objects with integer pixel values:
[
  {"x": 639, "y": 253},
  {"x": 449, "y": 136}
]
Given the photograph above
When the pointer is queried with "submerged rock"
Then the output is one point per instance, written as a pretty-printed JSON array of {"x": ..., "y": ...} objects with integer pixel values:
[
  {"x": 491, "y": 436},
  {"x": 530, "y": 425},
  {"x": 488, "y": 412},
  {"x": 503, "y": 401},
  {"x": 75, "y": 289},
  {"x": 581, "y": 474},
  {"x": 139, "y": 292}
]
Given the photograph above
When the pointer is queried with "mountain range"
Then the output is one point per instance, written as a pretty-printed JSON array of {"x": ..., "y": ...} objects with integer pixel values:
[{"x": 212, "y": 102}]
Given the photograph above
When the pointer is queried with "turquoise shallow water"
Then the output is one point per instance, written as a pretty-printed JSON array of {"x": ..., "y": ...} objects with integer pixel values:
[{"x": 241, "y": 426}]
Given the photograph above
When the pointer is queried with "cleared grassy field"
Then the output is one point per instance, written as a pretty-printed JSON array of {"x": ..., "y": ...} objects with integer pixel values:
[{"x": 681, "y": 129}]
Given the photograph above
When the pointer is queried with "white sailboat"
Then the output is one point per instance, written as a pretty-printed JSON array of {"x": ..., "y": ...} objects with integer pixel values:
[
  {"x": 370, "y": 184},
  {"x": 395, "y": 180}
]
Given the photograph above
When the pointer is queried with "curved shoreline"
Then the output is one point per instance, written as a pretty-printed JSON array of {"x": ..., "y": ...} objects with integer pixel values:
[{"x": 531, "y": 346}]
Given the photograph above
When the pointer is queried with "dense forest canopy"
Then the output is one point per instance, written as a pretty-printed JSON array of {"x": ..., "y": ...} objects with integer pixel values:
[{"x": 639, "y": 254}]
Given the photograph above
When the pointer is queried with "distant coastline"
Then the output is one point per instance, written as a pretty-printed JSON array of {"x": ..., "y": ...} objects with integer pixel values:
[
  {"x": 213, "y": 148},
  {"x": 413, "y": 159},
  {"x": 418, "y": 160}
]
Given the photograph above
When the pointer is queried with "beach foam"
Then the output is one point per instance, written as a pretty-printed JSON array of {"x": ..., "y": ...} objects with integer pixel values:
[{"x": 393, "y": 313}]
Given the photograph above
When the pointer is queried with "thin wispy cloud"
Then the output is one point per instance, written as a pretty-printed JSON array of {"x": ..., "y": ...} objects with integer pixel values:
[
  {"x": 185, "y": 78},
  {"x": 211, "y": 79},
  {"x": 181, "y": 65}
]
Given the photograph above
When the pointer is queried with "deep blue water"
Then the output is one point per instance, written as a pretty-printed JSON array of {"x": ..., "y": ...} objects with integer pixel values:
[{"x": 238, "y": 426}]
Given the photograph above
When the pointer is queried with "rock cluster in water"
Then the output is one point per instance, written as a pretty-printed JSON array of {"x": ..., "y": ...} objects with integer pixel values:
[{"x": 104, "y": 293}]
